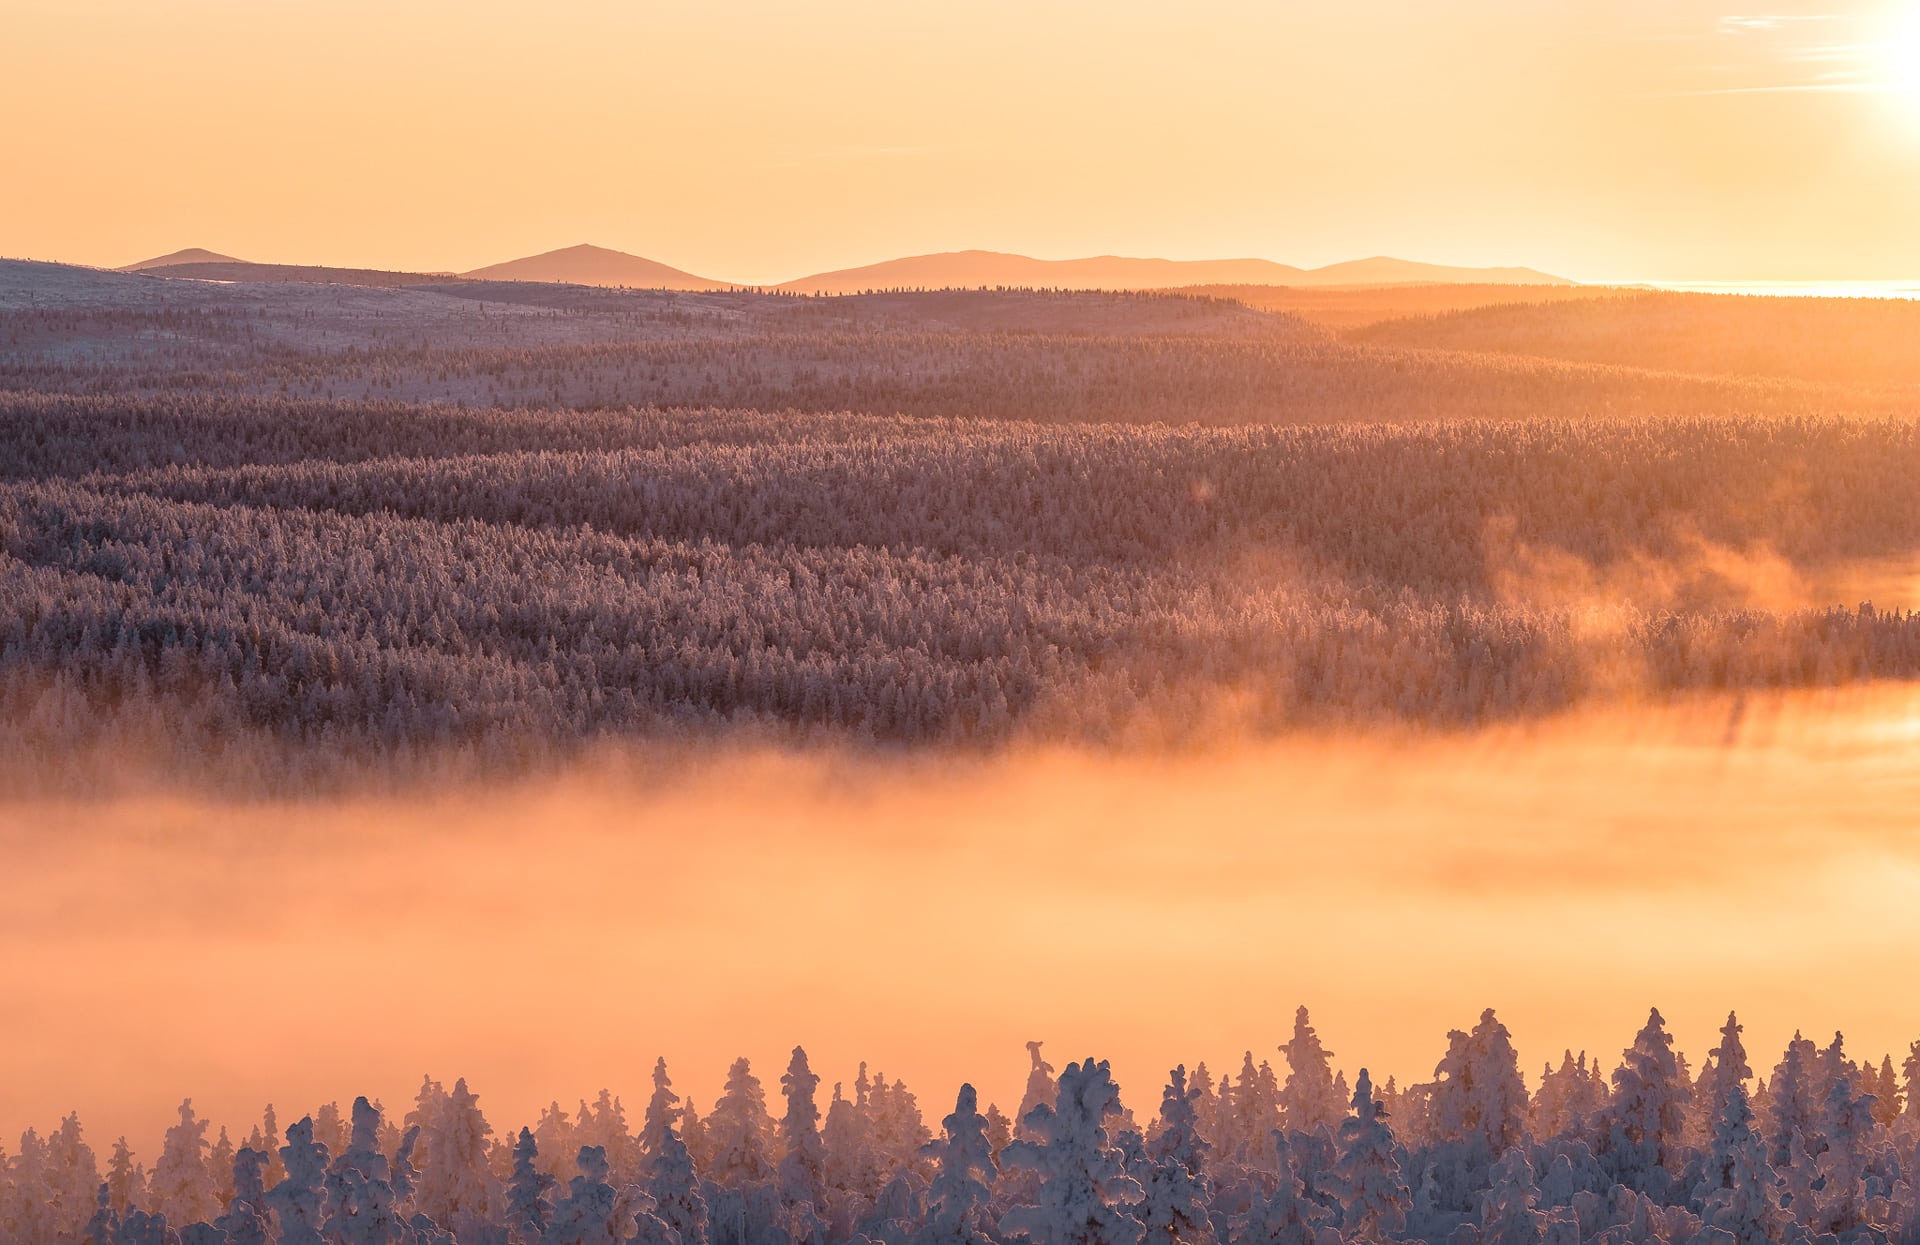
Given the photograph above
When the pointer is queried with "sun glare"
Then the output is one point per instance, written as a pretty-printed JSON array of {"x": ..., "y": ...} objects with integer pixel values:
[{"x": 1903, "y": 55}]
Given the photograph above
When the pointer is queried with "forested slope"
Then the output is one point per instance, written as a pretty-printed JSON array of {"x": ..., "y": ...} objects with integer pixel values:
[{"x": 521, "y": 527}]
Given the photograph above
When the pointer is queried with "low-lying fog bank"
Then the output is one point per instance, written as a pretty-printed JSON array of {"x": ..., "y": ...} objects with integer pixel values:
[{"x": 932, "y": 915}]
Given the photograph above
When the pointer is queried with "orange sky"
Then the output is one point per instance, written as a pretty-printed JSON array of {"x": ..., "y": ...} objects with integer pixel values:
[{"x": 1603, "y": 139}]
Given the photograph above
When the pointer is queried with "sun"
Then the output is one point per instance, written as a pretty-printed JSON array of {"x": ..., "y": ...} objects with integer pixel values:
[{"x": 1903, "y": 52}]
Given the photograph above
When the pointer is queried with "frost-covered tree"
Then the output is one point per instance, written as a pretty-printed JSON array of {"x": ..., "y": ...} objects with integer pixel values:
[
  {"x": 299, "y": 1201},
  {"x": 964, "y": 1171},
  {"x": 1085, "y": 1195},
  {"x": 1726, "y": 1065},
  {"x": 101, "y": 1226},
  {"x": 603, "y": 1123},
  {"x": 247, "y": 1219},
  {"x": 663, "y": 1113},
  {"x": 182, "y": 1185},
  {"x": 672, "y": 1184},
  {"x": 1886, "y": 1092},
  {"x": 1040, "y": 1090},
  {"x": 1285, "y": 1217},
  {"x": 1645, "y": 1121},
  {"x": 360, "y": 1207},
  {"x": 1793, "y": 1101},
  {"x": 849, "y": 1164},
  {"x": 738, "y": 1130},
  {"x": 70, "y": 1175},
  {"x": 1842, "y": 1166},
  {"x": 1737, "y": 1194},
  {"x": 220, "y": 1162},
  {"x": 1366, "y": 1176},
  {"x": 1476, "y": 1111},
  {"x": 1308, "y": 1100},
  {"x": 1256, "y": 1112},
  {"x": 528, "y": 1193},
  {"x": 456, "y": 1185},
  {"x": 1507, "y": 1214},
  {"x": 1174, "y": 1208},
  {"x": 589, "y": 1214},
  {"x": 126, "y": 1179},
  {"x": 141, "y": 1228},
  {"x": 895, "y": 1131},
  {"x": 801, "y": 1166}
]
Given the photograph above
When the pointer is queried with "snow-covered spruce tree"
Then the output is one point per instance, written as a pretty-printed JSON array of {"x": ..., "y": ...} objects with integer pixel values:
[
  {"x": 528, "y": 1193},
  {"x": 1366, "y": 1176},
  {"x": 1738, "y": 1194},
  {"x": 1255, "y": 1113},
  {"x": 1285, "y": 1217},
  {"x": 298, "y": 1201},
  {"x": 1084, "y": 1192},
  {"x": 182, "y": 1186},
  {"x": 663, "y": 1113},
  {"x": 589, "y": 1214},
  {"x": 847, "y": 1165},
  {"x": 1476, "y": 1111},
  {"x": 801, "y": 1166},
  {"x": 1644, "y": 1122},
  {"x": 675, "y": 1188},
  {"x": 246, "y": 1220},
  {"x": 1040, "y": 1090},
  {"x": 101, "y": 1226},
  {"x": 220, "y": 1162},
  {"x": 895, "y": 1131},
  {"x": 141, "y": 1228},
  {"x": 359, "y": 1199},
  {"x": 555, "y": 1138},
  {"x": 1308, "y": 1100},
  {"x": 1793, "y": 1101},
  {"x": 1910, "y": 1070},
  {"x": 1726, "y": 1068},
  {"x": 1507, "y": 1214},
  {"x": 126, "y": 1179},
  {"x": 456, "y": 1186},
  {"x": 1206, "y": 1106},
  {"x": 738, "y": 1129},
  {"x": 1842, "y": 1166},
  {"x": 603, "y": 1123},
  {"x": 964, "y": 1171},
  {"x": 1886, "y": 1092},
  {"x": 71, "y": 1176},
  {"x": 1177, "y": 1197}
]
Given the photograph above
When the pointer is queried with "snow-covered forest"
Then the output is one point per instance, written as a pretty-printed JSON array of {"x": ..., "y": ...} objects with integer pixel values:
[
  {"x": 295, "y": 535},
  {"x": 1299, "y": 1150}
]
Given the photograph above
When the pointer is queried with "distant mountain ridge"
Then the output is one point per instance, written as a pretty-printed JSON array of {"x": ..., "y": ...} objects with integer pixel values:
[
  {"x": 600, "y": 266},
  {"x": 191, "y": 255},
  {"x": 596, "y": 265},
  {"x": 1116, "y": 272}
]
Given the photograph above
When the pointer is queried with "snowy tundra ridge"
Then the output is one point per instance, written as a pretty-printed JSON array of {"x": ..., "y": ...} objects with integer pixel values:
[{"x": 1821, "y": 1151}]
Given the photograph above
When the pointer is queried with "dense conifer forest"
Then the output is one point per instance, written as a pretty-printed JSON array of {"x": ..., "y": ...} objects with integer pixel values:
[
  {"x": 283, "y": 532},
  {"x": 1818, "y": 1149}
]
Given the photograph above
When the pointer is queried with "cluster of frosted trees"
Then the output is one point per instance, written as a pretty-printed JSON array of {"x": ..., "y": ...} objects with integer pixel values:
[
  {"x": 216, "y": 577},
  {"x": 1821, "y": 1149}
]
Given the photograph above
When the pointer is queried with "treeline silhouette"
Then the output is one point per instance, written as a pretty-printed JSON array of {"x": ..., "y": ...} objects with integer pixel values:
[{"x": 1820, "y": 1148}]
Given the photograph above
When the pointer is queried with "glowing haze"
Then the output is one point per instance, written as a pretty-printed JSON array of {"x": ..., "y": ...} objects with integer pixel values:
[
  {"x": 933, "y": 915},
  {"x": 1606, "y": 139}
]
